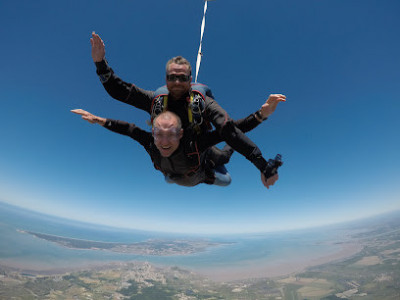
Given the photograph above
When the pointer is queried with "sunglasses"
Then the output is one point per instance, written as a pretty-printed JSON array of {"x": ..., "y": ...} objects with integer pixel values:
[{"x": 181, "y": 78}]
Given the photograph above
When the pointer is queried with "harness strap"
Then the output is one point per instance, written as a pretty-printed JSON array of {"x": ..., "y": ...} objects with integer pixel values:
[
  {"x": 165, "y": 106},
  {"x": 190, "y": 113},
  {"x": 195, "y": 168}
]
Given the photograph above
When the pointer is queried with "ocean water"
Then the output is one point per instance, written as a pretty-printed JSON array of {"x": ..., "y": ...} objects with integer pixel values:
[{"x": 31, "y": 253}]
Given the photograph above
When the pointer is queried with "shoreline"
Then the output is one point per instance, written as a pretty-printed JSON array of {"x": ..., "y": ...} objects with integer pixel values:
[
  {"x": 251, "y": 270},
  {"x": 259, "y": 270}
]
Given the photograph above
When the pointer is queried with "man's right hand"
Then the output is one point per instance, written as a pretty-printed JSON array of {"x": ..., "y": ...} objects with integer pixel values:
[{"x": 98, "y": 48}]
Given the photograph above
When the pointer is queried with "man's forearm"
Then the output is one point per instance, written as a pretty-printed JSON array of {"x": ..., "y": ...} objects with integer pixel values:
[
  {"x": 242, "y": 144},
  {"x": 120, "y": 127},
  {"x": 249, "y": 123},
  {"x": 231, "y": 134},
  {"x": 121, "y": 90},
  {"x": 212, "y": 138},
  {"x": 131, "y": 130}
]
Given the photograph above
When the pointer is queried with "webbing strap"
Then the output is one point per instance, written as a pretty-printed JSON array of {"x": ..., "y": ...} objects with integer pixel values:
[
  {"x": 165, "y": 98},
  {"x": 190, "y": 114},
  {"x": 199, "y": 54}
]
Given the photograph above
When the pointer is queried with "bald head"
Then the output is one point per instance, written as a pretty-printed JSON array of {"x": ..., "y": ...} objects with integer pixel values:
[
  {"x": 167, "y": 133},
  {"x": 168, "y": 116}
]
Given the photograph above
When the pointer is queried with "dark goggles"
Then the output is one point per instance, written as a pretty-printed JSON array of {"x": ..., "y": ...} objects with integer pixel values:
[
  {"x": 171, "y": 134},
  {"x": 181, "y": 78}
]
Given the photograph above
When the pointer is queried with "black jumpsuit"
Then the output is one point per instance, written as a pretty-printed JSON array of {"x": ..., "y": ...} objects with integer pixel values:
[{"x": 142, "y": 99}]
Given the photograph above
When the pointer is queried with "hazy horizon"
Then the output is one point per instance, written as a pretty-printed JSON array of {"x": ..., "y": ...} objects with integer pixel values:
[{"x": 71, "y": 221}]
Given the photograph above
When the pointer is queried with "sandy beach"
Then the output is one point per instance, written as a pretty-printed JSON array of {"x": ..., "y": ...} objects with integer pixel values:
[{"x": 261, "y": 269}]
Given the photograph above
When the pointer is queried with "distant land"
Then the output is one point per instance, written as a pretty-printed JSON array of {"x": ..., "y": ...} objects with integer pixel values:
[
  {"x": 371, "y": 274},
  {"x": 149, "y": 247}
]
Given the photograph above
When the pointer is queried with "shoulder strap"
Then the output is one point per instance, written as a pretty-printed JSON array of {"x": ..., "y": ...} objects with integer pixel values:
[{"x": 196, "y": 105}]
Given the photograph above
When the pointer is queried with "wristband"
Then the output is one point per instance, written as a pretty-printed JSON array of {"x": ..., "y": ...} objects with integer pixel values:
[{"x": 259, "y": 116}]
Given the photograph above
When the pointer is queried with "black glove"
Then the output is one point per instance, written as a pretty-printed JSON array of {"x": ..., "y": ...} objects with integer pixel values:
[{"x": 272, "y": 166}]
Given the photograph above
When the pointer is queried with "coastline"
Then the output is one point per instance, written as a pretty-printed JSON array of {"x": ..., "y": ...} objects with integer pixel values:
[
  {"x": 250, "y": 270},
  {"x": 260, "y": 269}
]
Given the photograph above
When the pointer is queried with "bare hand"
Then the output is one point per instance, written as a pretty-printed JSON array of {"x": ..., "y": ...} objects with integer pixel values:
[
  {"x": 270, "y": 105},
  {"x": 98, "y": 48},
  {"x": 270, "y": 181},
  {"x": 89, "y": 117}
]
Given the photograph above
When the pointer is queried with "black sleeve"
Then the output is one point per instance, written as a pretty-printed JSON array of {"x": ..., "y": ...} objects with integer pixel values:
[
  {"x": 145, "y": 138},
  {"x": 121, "y": 90},
  {"x": 212, "y": 138},
  {"x": 247, "y": 124},
  {"x": 232, "y": 135},
  {"x": 208, "y": 139}
]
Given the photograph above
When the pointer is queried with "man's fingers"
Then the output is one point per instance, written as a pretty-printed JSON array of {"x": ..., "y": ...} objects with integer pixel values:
[
  {"x": 89, "y": 119},
  {"x": 96, "y": 40},
  {"x": 96, "y": 43},
  {"x": 271, "y": 181},
  {"x": 87, "y": 116},
  {"x": 99, "y": 41},
  {"x": 277, "y": 96},
  {"x": 276, "y": 99},
  {"x": 79, "y": 112},
  {"x": 282, "y": 98}
]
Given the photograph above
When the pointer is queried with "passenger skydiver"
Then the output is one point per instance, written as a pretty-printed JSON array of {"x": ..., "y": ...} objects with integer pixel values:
[
  {"x": 180, "y": 95},
  {"x": 168, "y": 149}
]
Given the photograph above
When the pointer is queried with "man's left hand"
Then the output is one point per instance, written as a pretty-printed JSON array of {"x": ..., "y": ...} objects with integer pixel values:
[{"x": 270, "y": 105}]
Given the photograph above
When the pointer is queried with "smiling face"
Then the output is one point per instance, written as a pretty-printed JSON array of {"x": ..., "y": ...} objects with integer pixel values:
[
  {"x": 167, "y": 133},
  {"x": 178, "y": 80}
]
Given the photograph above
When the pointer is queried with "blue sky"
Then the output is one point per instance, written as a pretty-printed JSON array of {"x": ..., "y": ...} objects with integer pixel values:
[{"x": 336, "y": 61}]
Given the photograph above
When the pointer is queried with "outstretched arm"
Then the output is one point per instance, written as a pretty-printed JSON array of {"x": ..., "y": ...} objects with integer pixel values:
[
  {"x": 255, "y": 119},
  {"x": 233, "y": 136},
  {"x": 246, "y": 124},
  {"x": 89, "y": 117},
  {"x": 121, "y": 127},
  {"x": 115, "y": 86}
]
